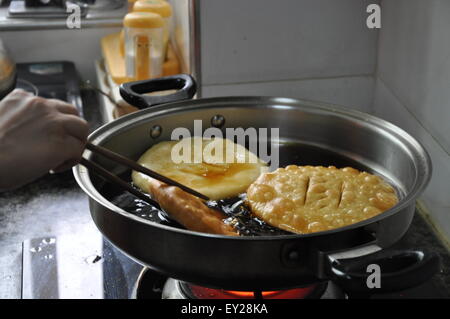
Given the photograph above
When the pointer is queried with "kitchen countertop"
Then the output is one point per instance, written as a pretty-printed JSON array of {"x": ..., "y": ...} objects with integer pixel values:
[
  {"x": 55, "y": 206},
  {"x": 52, "y": 206}
]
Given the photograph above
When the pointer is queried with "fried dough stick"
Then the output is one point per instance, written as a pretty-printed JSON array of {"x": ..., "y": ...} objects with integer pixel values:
[{"x": 189, "y": 210}]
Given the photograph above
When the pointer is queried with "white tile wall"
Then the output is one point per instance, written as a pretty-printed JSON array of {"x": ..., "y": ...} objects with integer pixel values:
[
  {"x": 266, "y": 40},
  {"x": 414, "y": 60},
  {"x": 353, "y": 92},
  {"x": 329, "y": 55},
  {"x": 413, "y": 86},
  {"x": 436, "y": 197}
]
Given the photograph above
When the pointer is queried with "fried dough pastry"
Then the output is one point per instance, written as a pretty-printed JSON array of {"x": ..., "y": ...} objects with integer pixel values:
[
  {"x": 217, "y": 177},
  {"x": 189, "y": 210},
  {"x": 306, "y": 199}
]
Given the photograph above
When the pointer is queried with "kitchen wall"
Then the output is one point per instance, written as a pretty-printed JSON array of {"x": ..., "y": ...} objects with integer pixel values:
[
  {"x": 412, "y": 87},
  {"x": 322, "y": 50},
  {"x": 313, "y": 49}
]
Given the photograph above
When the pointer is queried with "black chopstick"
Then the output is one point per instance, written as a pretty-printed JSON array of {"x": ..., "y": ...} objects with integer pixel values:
[
  {"x": 135, "y": 166},
  {"x": 116, "y": 180}
]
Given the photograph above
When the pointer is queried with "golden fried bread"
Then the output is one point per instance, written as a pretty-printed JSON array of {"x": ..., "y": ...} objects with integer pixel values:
[
  {"x": 213, "y": 178},
  {"x": 306, "y": 199},
  {"x": 188, "y": 210}
]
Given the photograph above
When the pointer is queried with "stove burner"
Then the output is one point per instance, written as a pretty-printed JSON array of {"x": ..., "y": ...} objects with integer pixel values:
[
  {"x": 151, "y": 285},
  {"x": 198, "y": 292}
]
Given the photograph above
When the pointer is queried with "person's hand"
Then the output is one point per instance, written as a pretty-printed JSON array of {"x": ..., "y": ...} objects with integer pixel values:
[{"x": 37, "y": 135}]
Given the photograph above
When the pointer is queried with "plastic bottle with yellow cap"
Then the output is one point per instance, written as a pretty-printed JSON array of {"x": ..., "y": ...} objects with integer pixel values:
[
  {"x": 130, "y": 5},
  {"x": 161, "y": 7},
  {"x": 132, "y": 2},
  {"x": 143, "y": 45}
]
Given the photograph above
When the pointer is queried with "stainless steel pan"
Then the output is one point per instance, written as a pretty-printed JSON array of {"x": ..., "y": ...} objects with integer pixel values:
[{"x": 268, "y": 262}]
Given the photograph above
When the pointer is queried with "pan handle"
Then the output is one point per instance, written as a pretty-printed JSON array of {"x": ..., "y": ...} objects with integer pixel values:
[
  {"x": 384, "y": 271},
  {"x": 135, "y": 92}
]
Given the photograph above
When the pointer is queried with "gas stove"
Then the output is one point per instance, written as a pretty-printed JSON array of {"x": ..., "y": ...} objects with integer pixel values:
[
  {"x": 55, "y": 80},
  {"x": 87, "y": 266},
  {"x": 91, "y": 267}
]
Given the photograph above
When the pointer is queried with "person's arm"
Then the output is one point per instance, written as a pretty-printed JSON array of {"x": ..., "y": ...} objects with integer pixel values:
[{"x": 37, "y": 135}]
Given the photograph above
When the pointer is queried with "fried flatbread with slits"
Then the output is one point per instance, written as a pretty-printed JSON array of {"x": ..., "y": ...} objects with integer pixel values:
[{"x": 306, "y": 199}]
